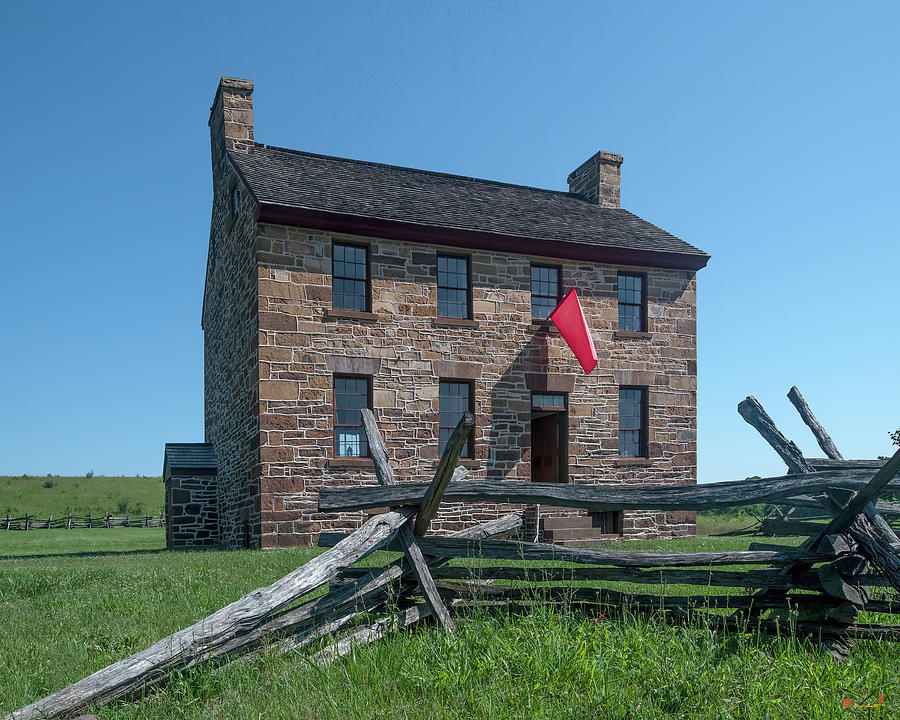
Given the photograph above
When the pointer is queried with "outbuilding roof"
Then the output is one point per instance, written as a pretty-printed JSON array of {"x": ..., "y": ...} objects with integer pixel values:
[
  {"x": 317, "y": 186},
  {"x": 189, "y": 456}
]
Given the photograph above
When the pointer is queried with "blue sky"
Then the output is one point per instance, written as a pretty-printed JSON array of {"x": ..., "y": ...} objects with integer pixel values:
[{"x": 764, "y": 133}]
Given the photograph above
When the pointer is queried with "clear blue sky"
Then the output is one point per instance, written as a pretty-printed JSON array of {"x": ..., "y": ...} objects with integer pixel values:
[{"x": 764, "y": 133}]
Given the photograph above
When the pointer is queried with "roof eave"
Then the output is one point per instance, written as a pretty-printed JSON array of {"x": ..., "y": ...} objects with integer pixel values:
[{"x": 474, "y": 239}]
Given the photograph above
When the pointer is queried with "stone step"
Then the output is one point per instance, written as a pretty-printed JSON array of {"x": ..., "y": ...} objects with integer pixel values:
[{"x": 574, "y": 521}]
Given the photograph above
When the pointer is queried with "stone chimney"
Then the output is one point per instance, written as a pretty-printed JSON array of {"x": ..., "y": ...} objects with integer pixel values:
[
  {"x": 231, "y": 115},
  {"x": 598, "y": 179}
]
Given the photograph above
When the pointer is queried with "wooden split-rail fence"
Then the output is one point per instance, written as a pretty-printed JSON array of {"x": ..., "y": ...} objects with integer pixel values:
[
  {"x": 818, "y": 589},
  {"x": 73, "y": 522}
]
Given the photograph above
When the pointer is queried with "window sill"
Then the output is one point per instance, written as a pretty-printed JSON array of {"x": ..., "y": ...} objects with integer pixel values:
[
  {"x": 350, "y": 462},
  {"x": 337, "y": 314},
  {"x": 633, "y": 462},
  {"x": 538, "y": 324},
  {"x": 631, "y": 335},
  {"x": 454, "y": 322}
]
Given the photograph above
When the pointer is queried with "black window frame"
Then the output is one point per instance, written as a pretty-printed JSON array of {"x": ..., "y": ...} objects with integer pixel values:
[
  {"x": 367, "y": 307},
  {"x": 468, "y": 452},
  {"x": 437, "y": 269},
  {"x": 559, "y": 288},
  {"x": 642, "y": 312},
  {"x": 334, "y": 389},
  {"x": 643, "y": 429}
]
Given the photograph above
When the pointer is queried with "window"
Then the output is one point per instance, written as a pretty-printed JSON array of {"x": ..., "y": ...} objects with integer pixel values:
[
  {"x": 351, "y": 394},
  {"x": 608, "y": 522},
  {"x": 632, "y": 302},
  {"x": 548, "y": 401},
  {"x": 350, "y": 277},
  {"x": 456, "y": 397},
  {"x": 544, "y": 291},
  {"x": 453, "y": 287},
  {"x": 632, "y": 422}
]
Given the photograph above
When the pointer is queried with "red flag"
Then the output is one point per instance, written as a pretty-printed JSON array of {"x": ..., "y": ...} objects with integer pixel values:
[{"x": 569, "y": 320}]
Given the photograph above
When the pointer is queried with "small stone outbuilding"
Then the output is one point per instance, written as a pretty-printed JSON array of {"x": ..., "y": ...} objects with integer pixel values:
[{"x": 189, "y": 474}]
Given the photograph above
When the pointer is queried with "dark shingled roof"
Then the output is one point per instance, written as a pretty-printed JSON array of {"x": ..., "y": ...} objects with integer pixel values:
[
  {"x": 388, "y": 192},
  {"x": 189, "y": 456}
]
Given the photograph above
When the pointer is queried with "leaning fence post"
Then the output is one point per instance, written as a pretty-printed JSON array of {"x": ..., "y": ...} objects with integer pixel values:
[
  {"x": 819, "y": 432},
  {"x": 751, "y": 410},
  {"x": 69, "y": 522},
  {"x": 385, "y": 475}
]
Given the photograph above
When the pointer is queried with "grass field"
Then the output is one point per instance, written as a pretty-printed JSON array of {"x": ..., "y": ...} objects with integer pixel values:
[
  {"x": 75, "y": 601},
  {"x": 715, "y": 524},
  {"x": 57, "y": 496}
]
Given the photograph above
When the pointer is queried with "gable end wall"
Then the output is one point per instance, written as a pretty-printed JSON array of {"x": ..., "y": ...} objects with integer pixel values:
[{"x": 230, "y": 354}]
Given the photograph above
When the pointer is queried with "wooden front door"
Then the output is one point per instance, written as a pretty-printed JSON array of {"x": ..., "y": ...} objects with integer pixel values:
[{"x": 547, "y": 436}]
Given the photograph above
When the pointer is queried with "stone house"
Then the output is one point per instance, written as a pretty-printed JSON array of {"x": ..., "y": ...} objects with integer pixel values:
[{"x": 335, "y": 284}]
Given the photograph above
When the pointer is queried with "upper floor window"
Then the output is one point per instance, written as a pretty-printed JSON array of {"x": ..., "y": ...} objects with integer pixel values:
[
  {"x": 545, "y": 288},
  {"x": 350, "y": 277},
  {"x": 455, "y": 398},
  {"x": 632, "y": 302},
  {"x": 351, "y": 394},
  {"x": 454, "y": 296},
  {"x": 633, "y": 422}
]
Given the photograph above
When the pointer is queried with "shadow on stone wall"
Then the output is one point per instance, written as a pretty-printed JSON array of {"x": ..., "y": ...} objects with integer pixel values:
[{"x": 509, "y": 441}]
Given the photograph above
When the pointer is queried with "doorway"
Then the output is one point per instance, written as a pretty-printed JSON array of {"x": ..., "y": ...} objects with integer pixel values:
[{"x": 549, "y": 438}]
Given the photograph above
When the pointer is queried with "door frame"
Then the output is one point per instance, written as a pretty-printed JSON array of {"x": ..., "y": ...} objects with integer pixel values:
[{"x": 562, "y": 429}]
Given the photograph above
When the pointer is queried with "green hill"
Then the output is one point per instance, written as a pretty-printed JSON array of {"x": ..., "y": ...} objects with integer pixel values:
[{"x": 55, "y": 495}]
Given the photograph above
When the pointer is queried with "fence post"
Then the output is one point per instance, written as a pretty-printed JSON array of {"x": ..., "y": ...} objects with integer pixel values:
[
  {"x": 106, "y": 523},
  {"x": 49, "y": 521},
  {"x": 26, "y": 522},
  {"x": 89, "y": 521},
  {"x": 69, "y": 522},
  {"x": 7, "y": 521}
]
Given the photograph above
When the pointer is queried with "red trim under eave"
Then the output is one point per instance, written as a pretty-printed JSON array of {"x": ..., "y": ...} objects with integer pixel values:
[{"x": 376, "y": 227}]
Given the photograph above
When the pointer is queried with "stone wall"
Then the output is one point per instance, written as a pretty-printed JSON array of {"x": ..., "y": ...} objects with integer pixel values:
[
  {"x": 231, "y": 375},
  {"x": 192, "y": 517},
  {"x": 405, "y": 349}
]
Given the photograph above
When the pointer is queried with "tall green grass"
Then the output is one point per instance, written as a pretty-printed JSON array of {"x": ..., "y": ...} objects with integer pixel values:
[
  {"x": 75, "y": 601},
  {"x": 59, "y": 496}
]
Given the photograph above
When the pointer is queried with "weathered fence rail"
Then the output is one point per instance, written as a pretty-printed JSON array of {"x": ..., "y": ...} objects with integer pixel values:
[
  {"x": 849, "y": 563},
  {"x": 604, "y": 497},
  {"x": 73, "y": 522}
]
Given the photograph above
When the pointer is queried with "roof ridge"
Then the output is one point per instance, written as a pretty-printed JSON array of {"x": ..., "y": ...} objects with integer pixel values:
[{"x": 466, "y": 178}]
